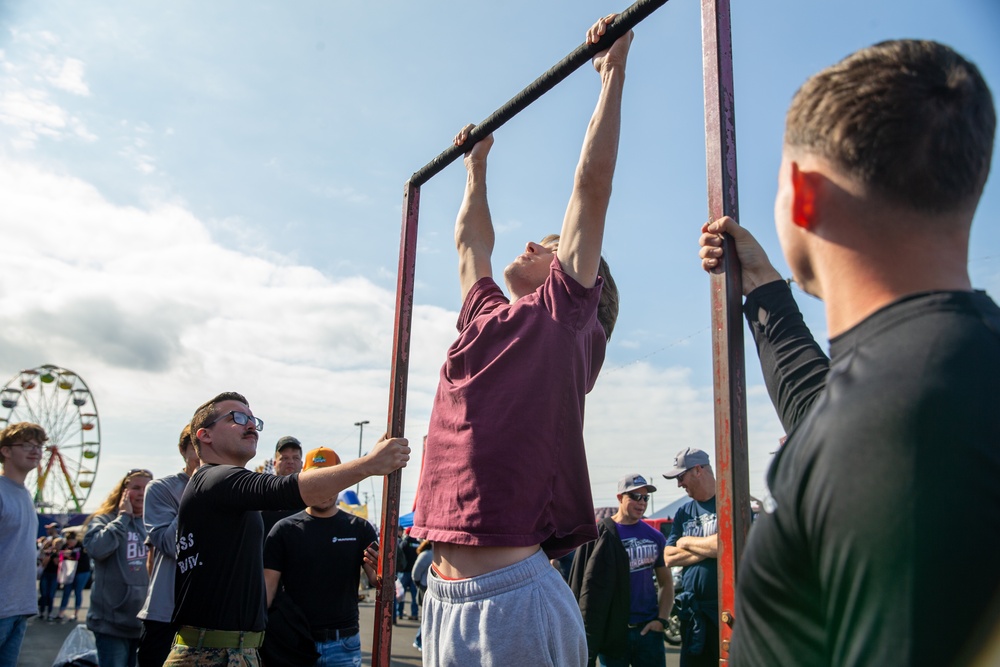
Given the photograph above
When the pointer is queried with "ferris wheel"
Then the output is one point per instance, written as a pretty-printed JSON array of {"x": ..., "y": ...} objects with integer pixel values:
[{"x": 58, "y": 400}]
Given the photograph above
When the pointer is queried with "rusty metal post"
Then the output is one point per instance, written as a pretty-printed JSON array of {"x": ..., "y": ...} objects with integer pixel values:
[
  {"x": 386, "y": 595},
  {"x": 732, "y": 470}
]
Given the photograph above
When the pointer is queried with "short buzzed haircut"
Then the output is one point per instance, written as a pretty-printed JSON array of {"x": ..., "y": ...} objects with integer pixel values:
[
  {"x": 21, "y": 432},
  {"x": 206, "y": 413},
  {"x": 185, "y": 441},
  {"x": 912, "y": 120}
]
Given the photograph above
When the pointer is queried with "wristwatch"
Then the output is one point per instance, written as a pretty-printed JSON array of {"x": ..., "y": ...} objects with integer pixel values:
[{"x": 662, "y": 621}]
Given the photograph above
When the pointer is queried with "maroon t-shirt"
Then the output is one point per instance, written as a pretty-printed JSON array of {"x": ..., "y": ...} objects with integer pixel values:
[{"x": 504, "y": 463}]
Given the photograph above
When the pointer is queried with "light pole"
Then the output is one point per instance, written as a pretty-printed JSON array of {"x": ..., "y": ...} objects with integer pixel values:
[{"x": 361, "y": 438}]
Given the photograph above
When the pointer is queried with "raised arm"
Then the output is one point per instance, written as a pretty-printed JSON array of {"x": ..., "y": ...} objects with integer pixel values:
[
  {"x": 104, "y": 534},
  {"x": 319, "y": 485},
  {"x": 474, "y": 235},
  {"x": 582, "y": 232}
]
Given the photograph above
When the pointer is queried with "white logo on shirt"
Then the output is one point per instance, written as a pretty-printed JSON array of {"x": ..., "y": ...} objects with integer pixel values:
[
  {"x": 702, "y": 525},
  {"x": 641, "y": 552}
]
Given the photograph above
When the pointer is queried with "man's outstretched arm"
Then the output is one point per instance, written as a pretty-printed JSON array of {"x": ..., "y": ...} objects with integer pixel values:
[
  {"x": 474, "y": 235},
  {"x": 583, "y": 227}
]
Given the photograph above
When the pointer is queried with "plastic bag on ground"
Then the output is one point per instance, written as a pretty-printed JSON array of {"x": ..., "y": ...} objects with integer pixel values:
[{"x": 79, "y": 649}]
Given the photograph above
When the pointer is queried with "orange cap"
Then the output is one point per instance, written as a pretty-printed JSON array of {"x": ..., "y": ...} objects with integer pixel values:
[{"x": 321, "y": 457}]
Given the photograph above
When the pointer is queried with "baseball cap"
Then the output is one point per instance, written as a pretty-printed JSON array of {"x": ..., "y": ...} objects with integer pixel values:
[
  {"x": 288, "y": 441},
  {"x": 685, "y": 460},
  {"x": 321, "y": 457},
  {"x": 632, "y": 481}
]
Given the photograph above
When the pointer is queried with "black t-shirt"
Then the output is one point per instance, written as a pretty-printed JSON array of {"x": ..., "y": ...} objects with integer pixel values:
[
  {"x": 878, "y": 544},
  {"x": 220, "y": 536},
  {"x": 320, "y": 563},
  {"x": 271, "y": 517}
]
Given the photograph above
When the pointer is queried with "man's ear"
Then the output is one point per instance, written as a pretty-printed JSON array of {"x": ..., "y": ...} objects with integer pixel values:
[
  {"x": 204, "y": 436},
  {"x": 806, "y": 187}
]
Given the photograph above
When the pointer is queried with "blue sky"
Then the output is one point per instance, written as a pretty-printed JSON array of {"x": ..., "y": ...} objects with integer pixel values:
[{"x": 199, "y": 197}]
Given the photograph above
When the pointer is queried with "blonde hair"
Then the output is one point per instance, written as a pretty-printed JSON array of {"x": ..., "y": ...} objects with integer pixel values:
[{"x": 110, "y": 504}]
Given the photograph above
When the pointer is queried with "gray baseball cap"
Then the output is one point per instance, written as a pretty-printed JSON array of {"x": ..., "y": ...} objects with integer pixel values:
[
  {"x": 632, "y": 481},
  {"x": 685, "y": 460},
  {"x": 288, "y": 441}
]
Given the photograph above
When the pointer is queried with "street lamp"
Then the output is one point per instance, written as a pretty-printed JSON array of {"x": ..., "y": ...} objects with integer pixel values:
[{"x": 361, "y": 437}]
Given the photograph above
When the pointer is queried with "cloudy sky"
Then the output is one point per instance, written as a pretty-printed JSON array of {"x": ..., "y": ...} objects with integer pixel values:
[{"x": 199, "y": 197}]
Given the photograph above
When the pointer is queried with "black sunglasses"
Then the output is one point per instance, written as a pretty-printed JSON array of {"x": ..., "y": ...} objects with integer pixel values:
[
  {"x": 638, "y": 497},
  {"x": 241, "y": 419}
]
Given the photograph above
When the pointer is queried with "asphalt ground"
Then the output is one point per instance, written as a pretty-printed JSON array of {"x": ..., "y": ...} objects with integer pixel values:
[{"x": 43, "y": 640}]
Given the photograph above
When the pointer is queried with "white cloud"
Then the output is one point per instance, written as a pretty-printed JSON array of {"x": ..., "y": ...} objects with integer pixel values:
[
  {"x": 141, "y": 160},
  {"x": 157, "y": 317},
  {"x": 69, "y": 76},
  {"x": 32, "y": 115},
  {"x": 29, "y": 108}
]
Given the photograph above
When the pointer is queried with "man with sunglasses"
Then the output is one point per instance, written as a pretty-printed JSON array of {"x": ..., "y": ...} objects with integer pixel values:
[
  {"x": 21, "y": 447},
  {"x": 220, "y": 603},
  {"x": 694, "y": 544},
  {"x": 623, "y": 615}
]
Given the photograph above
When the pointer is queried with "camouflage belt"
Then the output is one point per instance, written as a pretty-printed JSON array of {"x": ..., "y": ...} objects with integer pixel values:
[{"x": 204, "y": 638}]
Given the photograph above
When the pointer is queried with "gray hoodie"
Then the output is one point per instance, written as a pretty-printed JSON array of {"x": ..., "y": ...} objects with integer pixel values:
[{"x": 117, "y": 545}]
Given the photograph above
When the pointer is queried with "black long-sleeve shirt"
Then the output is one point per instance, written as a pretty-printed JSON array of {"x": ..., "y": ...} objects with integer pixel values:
[{"x": 879, "y": 541}]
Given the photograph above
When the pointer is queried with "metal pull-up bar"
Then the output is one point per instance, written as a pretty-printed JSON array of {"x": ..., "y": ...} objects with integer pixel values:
[
  {"x": 624, "y": 22},
  {"x": 730, "y": 404}
]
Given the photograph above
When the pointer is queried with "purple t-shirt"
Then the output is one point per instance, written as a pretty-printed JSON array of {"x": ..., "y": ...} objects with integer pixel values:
[
  {"x": 504, "y": 463},
  {"x": 644, "y": 546}
]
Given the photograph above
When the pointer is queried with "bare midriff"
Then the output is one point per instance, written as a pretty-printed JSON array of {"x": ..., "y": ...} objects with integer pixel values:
[{"x": 457, "y": 561}]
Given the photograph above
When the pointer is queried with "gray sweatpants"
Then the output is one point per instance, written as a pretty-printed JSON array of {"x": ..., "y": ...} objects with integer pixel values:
[{"x": 523, "y": 614}]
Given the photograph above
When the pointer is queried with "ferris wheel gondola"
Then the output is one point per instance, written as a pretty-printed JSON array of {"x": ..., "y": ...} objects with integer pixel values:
[{"x": 59, "y": 401}]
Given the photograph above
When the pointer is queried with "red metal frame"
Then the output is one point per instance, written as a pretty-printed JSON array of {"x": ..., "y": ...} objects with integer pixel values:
[
  {"x": 728, "y": 364},
  {"x": 386, "y": 595},
  {"x": 732, "y": 497}
]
